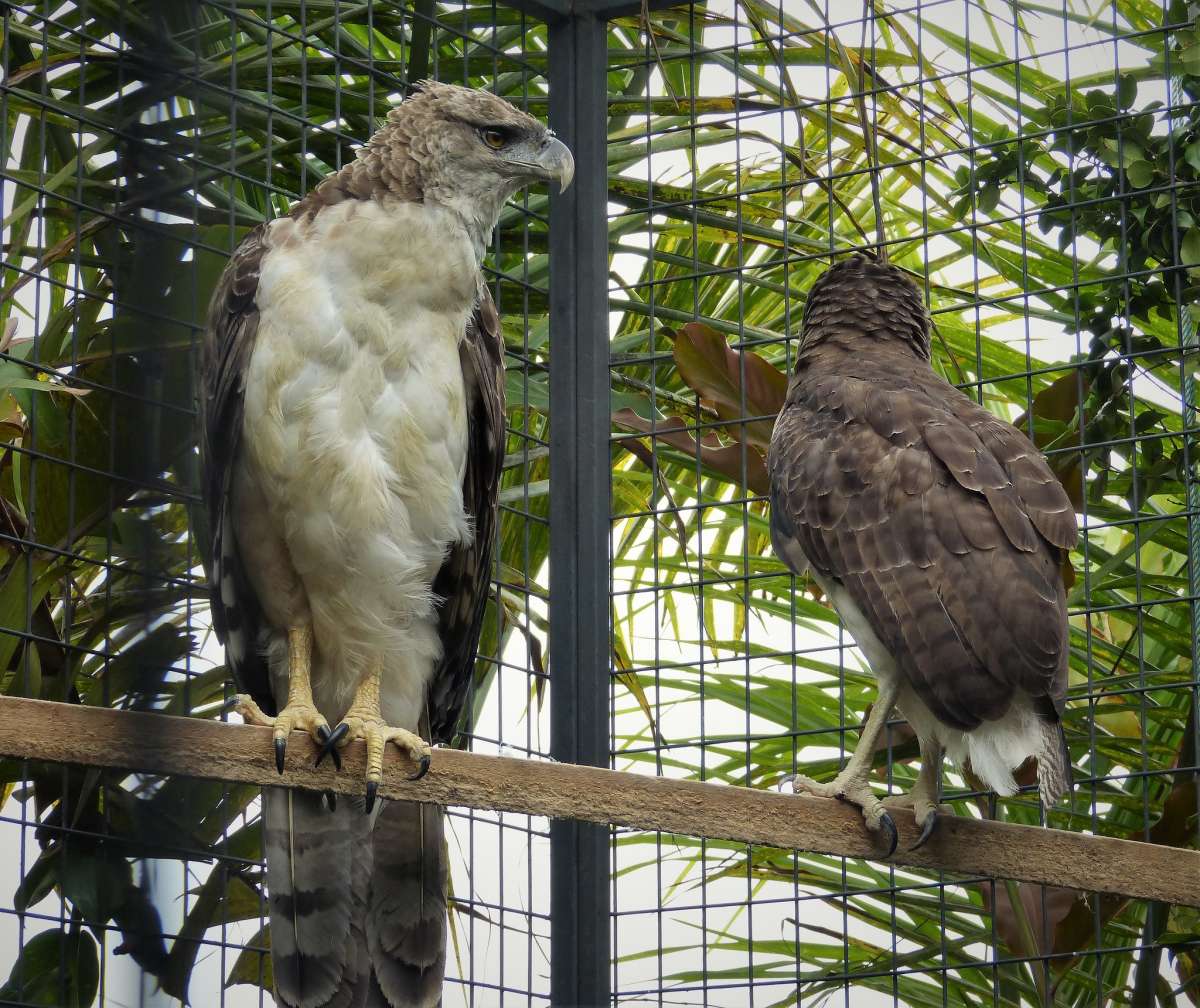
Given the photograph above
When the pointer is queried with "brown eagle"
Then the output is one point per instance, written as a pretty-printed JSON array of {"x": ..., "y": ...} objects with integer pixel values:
[
  {"x": 353, "y": 437},
  {"x": 936, "y": 530}
]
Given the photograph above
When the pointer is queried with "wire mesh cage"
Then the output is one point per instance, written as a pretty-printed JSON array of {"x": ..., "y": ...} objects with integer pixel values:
[
  {"x": 1027, "y": 166},
  {"x": 1032, "y": 167},
  {"x": 141, "y": 142}
]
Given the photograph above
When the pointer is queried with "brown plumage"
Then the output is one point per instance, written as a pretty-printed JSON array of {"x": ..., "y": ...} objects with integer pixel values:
[{"x": 935, "y": 528}]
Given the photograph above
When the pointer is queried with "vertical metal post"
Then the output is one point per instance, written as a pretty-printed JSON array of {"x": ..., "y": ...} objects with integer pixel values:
[{"x": 580, "y": 640}]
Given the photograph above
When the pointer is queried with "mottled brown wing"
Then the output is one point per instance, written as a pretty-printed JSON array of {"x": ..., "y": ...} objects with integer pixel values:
[
  {"x": 229, "y": 339},
  {"x": 944, "y": 528},
  {"x": 462, "y": 581}
]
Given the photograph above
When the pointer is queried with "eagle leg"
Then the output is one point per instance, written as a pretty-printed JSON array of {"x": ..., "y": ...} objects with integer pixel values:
[
  {"x": 299, "y": 712},
  {"x": 923, "y": 798},
  {"x": 852, "y": 784},
  {"x": 927, "y": 790},
  {"x": 365, "y": 720}
]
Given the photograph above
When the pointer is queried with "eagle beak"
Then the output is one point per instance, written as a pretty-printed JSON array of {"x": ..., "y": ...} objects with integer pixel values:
[{"x": 556, "y": 162}]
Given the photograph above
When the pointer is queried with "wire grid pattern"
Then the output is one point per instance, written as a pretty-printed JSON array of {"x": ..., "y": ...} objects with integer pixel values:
[
  {"x": 205, "y": 121},
  {"x": 140, "y": 142},
  {"x": 1029, "y": 163}
]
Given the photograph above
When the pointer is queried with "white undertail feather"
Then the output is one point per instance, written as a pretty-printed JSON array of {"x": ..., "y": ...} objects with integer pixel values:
[{"x": 995, "y": 749}]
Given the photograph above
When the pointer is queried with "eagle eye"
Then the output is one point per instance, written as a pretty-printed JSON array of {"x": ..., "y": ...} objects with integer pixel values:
[{"x": 494, "y": 138}]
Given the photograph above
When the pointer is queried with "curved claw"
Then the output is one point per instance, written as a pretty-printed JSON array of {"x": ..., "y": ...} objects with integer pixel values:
[
  {"x": 280, "y": 752},
  {"x": 372, "y": 791},
  {"x": 422, "y": 769},
  {"x": 926, "y": 830},
  {"x": 886, "y": 824},
  {"x": 329, "y": 748}
]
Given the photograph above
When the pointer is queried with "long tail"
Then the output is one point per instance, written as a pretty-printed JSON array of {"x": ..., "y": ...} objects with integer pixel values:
[
  {"x": 318, "y": 880},
  {"x": 1055, "y": 776},
  {"x": 406, "y": 922}
]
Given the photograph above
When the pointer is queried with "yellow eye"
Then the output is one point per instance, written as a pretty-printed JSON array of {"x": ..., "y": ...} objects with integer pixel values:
[{"x": 493, "y": 138}]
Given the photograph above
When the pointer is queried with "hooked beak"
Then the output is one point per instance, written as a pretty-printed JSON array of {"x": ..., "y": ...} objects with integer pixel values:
[{"x": 554, "y": 161}]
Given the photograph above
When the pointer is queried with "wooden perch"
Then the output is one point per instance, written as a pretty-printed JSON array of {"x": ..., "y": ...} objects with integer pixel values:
[{"x": 190, "y": 747}]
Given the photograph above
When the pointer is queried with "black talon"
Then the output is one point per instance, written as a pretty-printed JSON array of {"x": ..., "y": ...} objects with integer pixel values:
[
  {"x": 422, "y": 770},
  {"x": 330, "y": 745},
  {"x": 322, "y": 740},
  {"x": 926, "y": 830},
  {"x": 893, "y": 837},
  {"x": 228, "y": 706},
  {"x": 280, "y": 750},
  {"x": 372, "y": 790}
]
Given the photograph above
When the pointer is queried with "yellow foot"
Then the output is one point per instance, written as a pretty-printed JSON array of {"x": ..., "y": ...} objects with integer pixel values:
[
  {"x": 855, "y": 790},
  {"x": 370, "y": 726},
  {"x": 297, "y": 716}
]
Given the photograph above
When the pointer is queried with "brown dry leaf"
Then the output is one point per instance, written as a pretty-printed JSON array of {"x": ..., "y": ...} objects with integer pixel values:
[
  {"x": 725, "y": 460},
  {"x": 715, "y": 372},
  {"x": 1060, "y": 401},
  {"x": 1045, "y": 908}
]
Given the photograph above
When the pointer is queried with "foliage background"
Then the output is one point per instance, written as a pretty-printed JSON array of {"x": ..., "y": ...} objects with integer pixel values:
[{"x": 1036, "y": 171}]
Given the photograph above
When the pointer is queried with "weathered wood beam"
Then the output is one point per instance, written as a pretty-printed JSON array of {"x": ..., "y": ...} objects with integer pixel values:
[{"x": 190, "y": 747}]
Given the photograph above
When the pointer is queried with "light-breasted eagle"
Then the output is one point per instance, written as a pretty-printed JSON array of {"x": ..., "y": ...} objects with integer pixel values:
[
  {"x": 353, "y": 436},
  {"x": 936, "y": 530}
]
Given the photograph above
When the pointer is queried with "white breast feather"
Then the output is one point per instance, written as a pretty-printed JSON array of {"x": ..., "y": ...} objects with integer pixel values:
[{"x": 356, "y": 433}]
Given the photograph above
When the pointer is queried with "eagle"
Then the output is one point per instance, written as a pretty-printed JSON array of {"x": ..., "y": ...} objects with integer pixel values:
[
  {"x": 352, "y": 439},
  {"x": 936, "y": 530}
]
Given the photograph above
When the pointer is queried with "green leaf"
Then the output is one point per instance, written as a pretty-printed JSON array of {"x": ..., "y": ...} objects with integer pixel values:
[
  {"x": 34, "y": 385},
  {"x": 1127, "y": 86},
  {"x": 1140, "y": 173},
  {"x": 94, "y": 881},
  {"x": 1189, "y": 249},
  {"x": 253, "y": 965},
  {"x": 55, "y": 968},
  {"x": 989, "y": 198},
  {"x": 1190, "y": 58},
  {"x": 39, "y": 880}
]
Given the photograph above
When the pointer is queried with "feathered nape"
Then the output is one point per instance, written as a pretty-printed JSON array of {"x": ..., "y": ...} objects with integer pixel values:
[{"x": 870, "y": 298}]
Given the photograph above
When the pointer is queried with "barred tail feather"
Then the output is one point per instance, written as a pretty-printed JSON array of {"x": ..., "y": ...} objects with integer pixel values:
[
  {"x": 406, "y": 922},
  {"x": 318, "y": 879},
  {"x": 1055, "y": 777}
]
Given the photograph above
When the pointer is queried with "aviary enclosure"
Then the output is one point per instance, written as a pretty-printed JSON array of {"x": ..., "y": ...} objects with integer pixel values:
[{"x": 1034, "y": 164}]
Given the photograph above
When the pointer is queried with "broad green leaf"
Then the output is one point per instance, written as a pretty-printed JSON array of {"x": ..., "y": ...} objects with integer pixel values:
[{"x": 55, "y": 968}]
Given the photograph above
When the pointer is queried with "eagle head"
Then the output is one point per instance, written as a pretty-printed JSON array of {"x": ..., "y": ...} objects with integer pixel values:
[
  {"x": 872, "y": 297},
  {"x": 469, "y": 151}
]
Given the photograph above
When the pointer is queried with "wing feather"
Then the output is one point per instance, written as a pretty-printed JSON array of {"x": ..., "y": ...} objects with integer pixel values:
[
  {"x": 229, "y": 340},
  {"x": 946, "y": 532},
  {"x": 462, "y": 581}
]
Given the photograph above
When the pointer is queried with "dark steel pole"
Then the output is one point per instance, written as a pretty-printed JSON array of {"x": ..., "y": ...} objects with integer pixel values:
[{"x": 580, "y": 641}]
